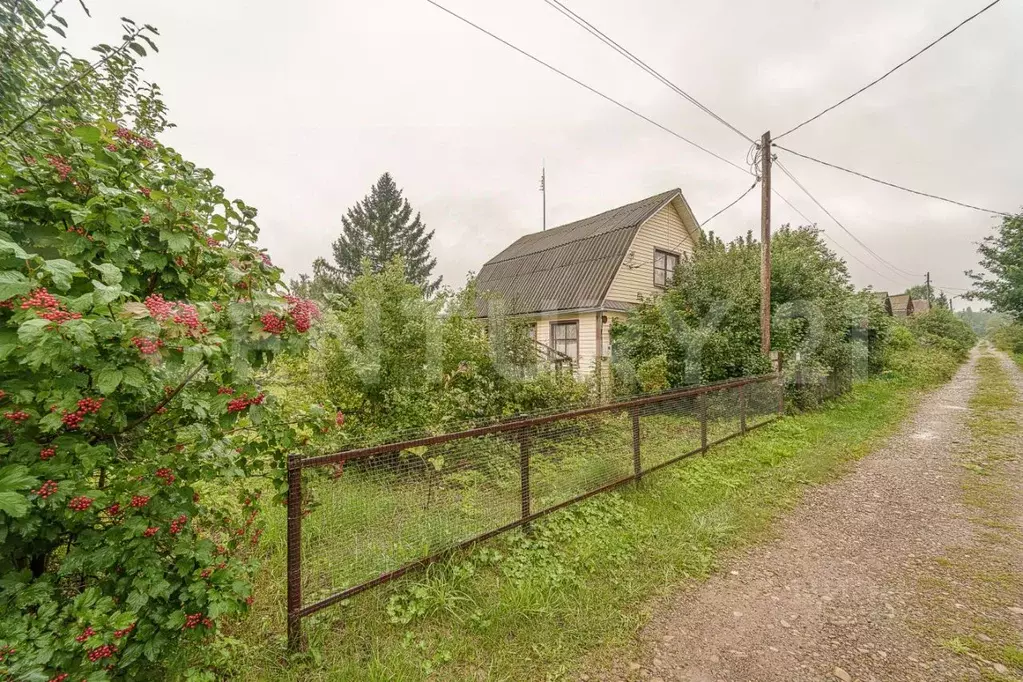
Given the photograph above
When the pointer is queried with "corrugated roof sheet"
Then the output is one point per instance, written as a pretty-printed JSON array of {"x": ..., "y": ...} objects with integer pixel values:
[
  {"x": 565, "y": 267},
  {"x": 901, "y": 304}
]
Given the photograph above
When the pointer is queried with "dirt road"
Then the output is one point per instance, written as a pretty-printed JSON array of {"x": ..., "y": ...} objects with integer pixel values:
[{"x": 882, "y": 575}]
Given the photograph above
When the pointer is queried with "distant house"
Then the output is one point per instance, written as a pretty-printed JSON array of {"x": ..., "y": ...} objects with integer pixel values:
[
  {"x": 902, "y": 305},
  {"x": 571, "y": 282},
  {"x": 884, "y": 300},
  {"x": 920, "y": 306}
]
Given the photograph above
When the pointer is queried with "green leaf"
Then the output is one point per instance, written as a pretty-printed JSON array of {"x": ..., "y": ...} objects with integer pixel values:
[
  {"x": 151, "y": 260},
  {"x": 13, "y": 283},
  {"x": 16, "y": 477},
  {"x": 12, "y": 248},
  {"x": 32, "y": 330},
  {"x": 111, "y": 273},
  {"x": 62, "y": 272},
  {"x": 90, "y": 134},
  {"x": 138, "y": 49},
  {"x": 133, "y": 377},
  {"x": 176, "y": 241},
  {"x": 58, "y": 30},
  {"x": 8, "y": 343},
  {"x": 14, "y": 505},
  {"x": 107, "y": 380},
  {"x": 104, "y": 294}
]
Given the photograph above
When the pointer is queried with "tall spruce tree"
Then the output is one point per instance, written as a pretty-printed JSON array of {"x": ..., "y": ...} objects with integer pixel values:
[{"x": 379, "y": 228}]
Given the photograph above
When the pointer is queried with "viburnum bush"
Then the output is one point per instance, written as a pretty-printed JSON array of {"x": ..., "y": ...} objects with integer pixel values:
[{"x": 136, "y": 313}]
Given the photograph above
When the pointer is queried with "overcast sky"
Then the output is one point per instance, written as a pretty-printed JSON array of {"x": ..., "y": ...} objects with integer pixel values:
[{"x": 300, "y": 106}]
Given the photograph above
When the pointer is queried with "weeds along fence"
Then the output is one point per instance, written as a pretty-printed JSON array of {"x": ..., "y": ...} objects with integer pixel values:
[{"x": 362, "y": 517}]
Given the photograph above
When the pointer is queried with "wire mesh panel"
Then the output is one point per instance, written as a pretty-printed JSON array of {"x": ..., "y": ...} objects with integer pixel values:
[
  {"x": 361, "y": 517},
  {"x": 572, "y": 457},
  {"x": 763, "y": 402},
  {"x": 670, "y": 429},
  {"x": 722, "y": 414}
]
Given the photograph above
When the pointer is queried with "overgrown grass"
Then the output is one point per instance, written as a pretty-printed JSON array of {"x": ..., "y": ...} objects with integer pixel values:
[{"x": 535, "y": 606}]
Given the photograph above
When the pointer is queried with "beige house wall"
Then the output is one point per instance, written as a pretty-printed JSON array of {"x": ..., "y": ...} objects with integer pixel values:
[
  {"x": 663, "y": 231},
  {"x": 587, "y": 336}
]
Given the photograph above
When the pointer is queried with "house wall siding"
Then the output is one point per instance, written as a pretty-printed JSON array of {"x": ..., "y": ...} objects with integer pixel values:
[
  {"x": 635, "y": 278},
  {"x": 587, "y": 337}
]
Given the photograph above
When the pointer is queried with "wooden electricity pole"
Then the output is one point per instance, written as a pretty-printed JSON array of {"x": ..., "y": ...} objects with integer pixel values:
[{"x": 765, "y": 243}]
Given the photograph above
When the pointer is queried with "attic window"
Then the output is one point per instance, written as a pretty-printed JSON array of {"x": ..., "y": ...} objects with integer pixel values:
[{"x": 665, "y": 263}]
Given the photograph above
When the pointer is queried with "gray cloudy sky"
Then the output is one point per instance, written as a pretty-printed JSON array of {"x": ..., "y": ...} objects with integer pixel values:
[{"x": 300, "y": 106}]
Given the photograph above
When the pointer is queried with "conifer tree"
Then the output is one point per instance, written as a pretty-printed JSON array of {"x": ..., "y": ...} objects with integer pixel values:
[{"x": 379, "y": 229}]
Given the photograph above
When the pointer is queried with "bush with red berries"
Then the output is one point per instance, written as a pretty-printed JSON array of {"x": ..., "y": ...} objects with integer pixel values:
[{"x": 136, "y": 313}]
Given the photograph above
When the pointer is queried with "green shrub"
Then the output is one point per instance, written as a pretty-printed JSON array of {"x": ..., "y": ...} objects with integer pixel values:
[
  {"x": 706, "y": 326},
  {"x": 1009, "y": 338},
  {"x": 942, "y": 329}
]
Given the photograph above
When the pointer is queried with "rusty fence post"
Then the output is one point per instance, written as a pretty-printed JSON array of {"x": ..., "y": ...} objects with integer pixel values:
[
  {"x": 295, "y": 639},
  {"x": 703, "y": 420},
  {"x": 524, "y": 451},
  {"x": 637, "y": 467},
  {"x": 742, "y": 408}
]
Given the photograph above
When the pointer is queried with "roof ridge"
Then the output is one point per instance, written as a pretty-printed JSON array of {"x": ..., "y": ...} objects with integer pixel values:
[{"x": 653, "y": 210}]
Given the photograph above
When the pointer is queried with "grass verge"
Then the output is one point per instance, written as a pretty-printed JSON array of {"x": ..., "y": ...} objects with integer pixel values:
[{"x": 534, "y": 606}]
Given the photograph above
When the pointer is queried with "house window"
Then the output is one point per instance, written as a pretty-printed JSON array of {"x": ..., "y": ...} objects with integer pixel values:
[
  {"x": 565, "y": 339},
  {"x": 664, "y": 267}
]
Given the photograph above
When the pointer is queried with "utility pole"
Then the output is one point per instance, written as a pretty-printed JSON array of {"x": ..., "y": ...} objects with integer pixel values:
[
  {"x": 543, "y": 190},
  {"x": 765, "y": 243},
  {"x": 930, "y": 296}
]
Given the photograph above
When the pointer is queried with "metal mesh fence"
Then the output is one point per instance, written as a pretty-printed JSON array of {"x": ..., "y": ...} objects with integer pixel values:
[{"x": 361, "y": 517}]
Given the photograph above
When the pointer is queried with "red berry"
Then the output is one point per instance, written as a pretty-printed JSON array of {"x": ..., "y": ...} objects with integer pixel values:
[
  {"x": 46, "y": 489},
  {"x": 272, "y": 324},
  {"x": 303, "y": 312},
  {"x": 47, "y": 453},
  {"x": 59, "y": 164},
  {"x": 147, "y": 346},
  {"x": 17, "y": 416},
  {"x": 100, "y": 652},
  {"x": 150, "y": 532},
  {"x": 80, "y": 503},
  {"x": 138, "y": 501},
  {"x": 86, "y": 634}
]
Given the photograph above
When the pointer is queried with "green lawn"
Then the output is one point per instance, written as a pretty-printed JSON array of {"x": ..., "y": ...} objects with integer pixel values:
[{"x": 538, "y": 606}]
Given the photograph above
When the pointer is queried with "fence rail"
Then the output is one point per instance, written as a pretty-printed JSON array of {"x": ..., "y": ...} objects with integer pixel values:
[{"x": 362, "y": 517}]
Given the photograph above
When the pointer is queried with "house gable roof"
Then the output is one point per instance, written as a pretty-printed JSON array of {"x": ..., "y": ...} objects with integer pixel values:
[
  {"x": 902, "y": 305},
  {"x": 567, "y": 267}
]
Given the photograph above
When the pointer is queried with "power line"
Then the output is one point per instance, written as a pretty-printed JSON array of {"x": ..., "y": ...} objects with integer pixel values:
[
  {"x": 737, "y": 200},
  {"x": 587, "y": 87},
  {"x": 832, "y": 239},
  {"x": 839, "y": 223},
  {"x": 892, "y": 184},
  {"x": 610, "y": 42},
  {"x": 893, "y": 70}
]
